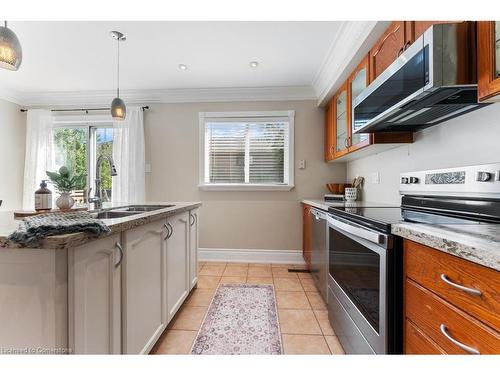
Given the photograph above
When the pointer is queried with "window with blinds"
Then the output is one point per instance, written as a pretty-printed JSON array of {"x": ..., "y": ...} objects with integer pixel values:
[{"x": 246, "y": 151}]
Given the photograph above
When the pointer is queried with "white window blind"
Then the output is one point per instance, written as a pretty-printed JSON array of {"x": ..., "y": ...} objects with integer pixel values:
[
  {"x": 240, "y": 151},
  {"x": 246, "y": 152},
  {"x": 226, "y": 152},
  {"x": 266, "y": 143}
]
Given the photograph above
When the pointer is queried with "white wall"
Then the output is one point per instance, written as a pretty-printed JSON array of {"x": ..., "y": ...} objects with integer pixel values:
[
  {"x": 471, "y": 139},
  {"x": 12, "y": 146},
  {"x": 244, "y": 220}
]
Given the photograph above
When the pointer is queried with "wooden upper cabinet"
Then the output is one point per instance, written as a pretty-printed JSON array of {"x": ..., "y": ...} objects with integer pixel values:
[
  {"x": 329, "y": 129},
  {"x": 357, "y": 82},
  {"x": 340, "y": 139},
  {"x": 488, "y": 60},
  {"x": 342, "y": 120},
  {"x": 388, "y": 48}
]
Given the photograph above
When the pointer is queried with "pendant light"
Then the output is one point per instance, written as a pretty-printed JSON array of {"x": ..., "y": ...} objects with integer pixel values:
[
  {"x": 11, "y": 53},
  {"x": 118, "y": 109}
]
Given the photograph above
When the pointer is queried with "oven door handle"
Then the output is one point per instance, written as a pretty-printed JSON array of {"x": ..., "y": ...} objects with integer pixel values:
[{"x": 368, "y": 235}]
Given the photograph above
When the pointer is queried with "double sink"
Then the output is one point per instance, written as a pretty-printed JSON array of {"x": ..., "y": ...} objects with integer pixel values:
[{"x": 120, "y": 212}]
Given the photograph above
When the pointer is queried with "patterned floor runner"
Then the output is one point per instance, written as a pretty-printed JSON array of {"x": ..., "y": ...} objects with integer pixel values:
[{"x": 242, "y": 319}]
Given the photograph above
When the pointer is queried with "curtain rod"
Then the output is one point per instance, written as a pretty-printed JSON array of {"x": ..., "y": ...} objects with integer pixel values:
[{"x": 82, "y": 109}]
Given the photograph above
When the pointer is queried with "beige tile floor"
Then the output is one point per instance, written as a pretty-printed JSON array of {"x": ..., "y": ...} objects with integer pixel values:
[{"x": 302, "y": 313}]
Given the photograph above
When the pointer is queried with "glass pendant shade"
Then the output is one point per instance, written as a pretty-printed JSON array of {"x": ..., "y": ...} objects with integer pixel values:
[
  {"x": 118, "y": 109},
  {"x": 11, "y": 53}
]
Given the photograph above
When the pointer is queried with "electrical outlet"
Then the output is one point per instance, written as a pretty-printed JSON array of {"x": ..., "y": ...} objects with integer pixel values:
[
  {"x": 302, "y": 164},
  {"x": 375, "y": 178}
]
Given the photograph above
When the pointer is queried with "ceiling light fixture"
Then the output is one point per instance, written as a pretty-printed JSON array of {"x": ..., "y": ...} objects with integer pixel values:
[
  {"x": 11, "y": 53},
  {"x": 118, "y": 108},
  {"x": 254, "y": 64},
  {"x": 183, "y": 67}
]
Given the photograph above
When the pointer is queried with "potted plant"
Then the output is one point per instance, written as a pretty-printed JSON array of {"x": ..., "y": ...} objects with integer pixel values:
[{"x": 64, "y": 183}]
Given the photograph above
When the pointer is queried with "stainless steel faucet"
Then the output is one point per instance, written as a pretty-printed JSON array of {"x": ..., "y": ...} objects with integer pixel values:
[{"x": 97, "y": 199}]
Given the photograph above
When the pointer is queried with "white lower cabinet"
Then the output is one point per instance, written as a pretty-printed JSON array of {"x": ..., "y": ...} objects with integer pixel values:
[
  {"x": 124, "y": 289},
  {"x": 144, "y": 286},
  {"x": 193, "y": 247},
  {"x": 95, "y": 297},
  {"x": 177, "y": 262}
]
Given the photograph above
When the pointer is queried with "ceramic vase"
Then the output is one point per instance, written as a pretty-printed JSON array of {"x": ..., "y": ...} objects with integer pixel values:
[{"x": 65, "y": 201}]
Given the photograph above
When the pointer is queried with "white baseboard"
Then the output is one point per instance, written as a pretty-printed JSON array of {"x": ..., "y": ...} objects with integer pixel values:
[{"x": 251, "y": 255}]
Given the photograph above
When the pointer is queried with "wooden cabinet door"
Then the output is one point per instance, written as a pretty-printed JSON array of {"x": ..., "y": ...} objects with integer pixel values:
[
  {"x": 341, "y": 122},
  {"x": 144, "y": 287},
  {"x": 387, "y": 49},
  {"x": 193, "y": 247},
  {"x": 177, "y": 262},
  {"x": 357, "y": 82},
  {"x": 306, "y": 234},
  {"x": 95, "y": 302},
  {"x": 488, "y": 60},
  {"x": 329, "y": 130}
]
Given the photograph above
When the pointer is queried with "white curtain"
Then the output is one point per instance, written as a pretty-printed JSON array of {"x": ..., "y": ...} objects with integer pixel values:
[
  {"x": 129, "y": 157},
  {"x": 39, "y": 156}
]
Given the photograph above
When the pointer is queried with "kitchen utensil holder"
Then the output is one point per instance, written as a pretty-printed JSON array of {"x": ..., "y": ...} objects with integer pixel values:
[{"x": 351, "y": 194}]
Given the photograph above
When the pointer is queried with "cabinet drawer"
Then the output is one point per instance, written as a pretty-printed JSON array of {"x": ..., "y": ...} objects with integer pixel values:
[
  {"x": 428, "y": 267},
  {"x": 429, "y": 312},
  {"x": 417, "y": 342}
]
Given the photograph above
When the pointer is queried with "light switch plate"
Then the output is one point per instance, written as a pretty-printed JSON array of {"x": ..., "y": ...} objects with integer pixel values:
[
  {"x": 375, "y": 178},
  {"x": 302, "y": 164},
  {"x": 147, "y": 168}
]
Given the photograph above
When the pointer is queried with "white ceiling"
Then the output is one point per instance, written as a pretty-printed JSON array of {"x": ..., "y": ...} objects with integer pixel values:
[{"x": 81, "y": 56}]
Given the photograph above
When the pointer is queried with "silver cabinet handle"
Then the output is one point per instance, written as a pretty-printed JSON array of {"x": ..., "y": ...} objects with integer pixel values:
[
  {"x": 191, "y": 217},
  {"x": 468, "y": 349},
  {"x": 168, "y": 231},
  {"x": 120, "y": 248},
  {"x": 472, "y": 291}
]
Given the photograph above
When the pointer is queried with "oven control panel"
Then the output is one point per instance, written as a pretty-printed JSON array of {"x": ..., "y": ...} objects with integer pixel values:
[{"x": 478, "y": 180}]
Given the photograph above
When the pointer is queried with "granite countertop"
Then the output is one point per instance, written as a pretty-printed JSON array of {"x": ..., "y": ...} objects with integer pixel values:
[
  {"x": 9, "y": 224},
  {"x": 324, "y": 205},
  {"x": 478, "y": 243}
]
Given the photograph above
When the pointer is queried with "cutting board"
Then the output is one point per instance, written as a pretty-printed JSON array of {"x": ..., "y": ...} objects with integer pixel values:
[{"x": 27, "y": 213}]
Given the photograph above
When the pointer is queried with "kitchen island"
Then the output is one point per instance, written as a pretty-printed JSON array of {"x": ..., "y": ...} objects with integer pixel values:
[{"x": 115, "y": 293}]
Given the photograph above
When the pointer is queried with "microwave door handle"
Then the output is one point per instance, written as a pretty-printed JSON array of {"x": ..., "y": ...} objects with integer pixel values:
[{"x": 357, "y": 231}]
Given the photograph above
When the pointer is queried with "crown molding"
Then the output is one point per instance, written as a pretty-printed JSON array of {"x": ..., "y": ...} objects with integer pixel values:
[
  {"x": 11, "y": 96},
  {"x": 86, "y": 98},
  {"x": 353, "y": 41}
]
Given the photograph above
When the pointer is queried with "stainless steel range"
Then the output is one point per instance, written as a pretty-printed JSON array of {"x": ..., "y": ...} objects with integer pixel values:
[{"x": 365, "y": 259}]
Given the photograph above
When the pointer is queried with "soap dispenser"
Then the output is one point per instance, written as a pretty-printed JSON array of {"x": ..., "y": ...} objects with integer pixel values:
[{"x": 43, "y": 198}]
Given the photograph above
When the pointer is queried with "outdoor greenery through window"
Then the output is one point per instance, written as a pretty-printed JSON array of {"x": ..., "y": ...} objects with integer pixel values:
[
  {"x": 246, "y": 152},
  {"x": 78, "y": 148}
]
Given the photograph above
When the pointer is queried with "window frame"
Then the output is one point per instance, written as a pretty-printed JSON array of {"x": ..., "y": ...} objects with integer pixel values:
[
  {"x": 288, "y": 159},
  {"x": 91, "y": 123}
]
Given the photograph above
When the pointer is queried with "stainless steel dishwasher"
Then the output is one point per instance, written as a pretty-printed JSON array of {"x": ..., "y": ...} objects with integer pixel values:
[{"x": 319, "y": 255}]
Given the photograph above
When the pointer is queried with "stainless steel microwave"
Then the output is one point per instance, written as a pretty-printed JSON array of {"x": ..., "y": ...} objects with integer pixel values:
[{"x": 432, "y": 81}]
